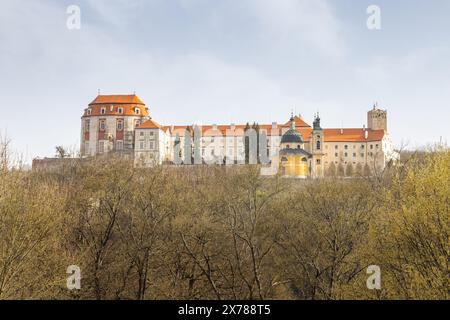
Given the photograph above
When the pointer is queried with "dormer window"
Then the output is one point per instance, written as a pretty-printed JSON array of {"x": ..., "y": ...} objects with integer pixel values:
[
  {"x": 137, "y": 111},
  {"x": 89, "y": 111},
  {"x": 120, "y": 110},
  {"x": 102, "y": 111}
]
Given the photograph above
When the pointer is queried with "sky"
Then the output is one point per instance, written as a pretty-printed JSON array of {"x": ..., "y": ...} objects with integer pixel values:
[{"x": 224, "y": 61}]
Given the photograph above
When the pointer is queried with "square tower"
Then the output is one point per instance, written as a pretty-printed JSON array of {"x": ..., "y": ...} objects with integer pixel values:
[{"x": 377, "y": 119}]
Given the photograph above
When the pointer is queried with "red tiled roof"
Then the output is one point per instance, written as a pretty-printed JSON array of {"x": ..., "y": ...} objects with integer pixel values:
[
  {"x": 127, "y": 110},
  {"x": 299, "y": 122},
  {"x": 150, "y": 124},
  {"x": 352, "y": 135},
  {"x": 117, "y": 99},
  {"x": 330, "y": 135}
]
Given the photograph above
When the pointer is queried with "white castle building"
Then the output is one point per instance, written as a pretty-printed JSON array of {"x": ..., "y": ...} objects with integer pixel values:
[{"x": 122, "y": 124}]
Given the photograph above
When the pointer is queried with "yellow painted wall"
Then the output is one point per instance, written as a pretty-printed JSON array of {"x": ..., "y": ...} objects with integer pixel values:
[{"x": 295, "y": 167}]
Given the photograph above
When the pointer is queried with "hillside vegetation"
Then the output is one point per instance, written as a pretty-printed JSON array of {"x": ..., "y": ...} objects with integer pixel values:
[{"x": 224, "y": 233}]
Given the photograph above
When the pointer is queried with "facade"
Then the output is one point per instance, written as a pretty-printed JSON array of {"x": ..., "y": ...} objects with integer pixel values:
[
  {"x": 122, "y": 124},
  {"x": 109, "y": 124}
]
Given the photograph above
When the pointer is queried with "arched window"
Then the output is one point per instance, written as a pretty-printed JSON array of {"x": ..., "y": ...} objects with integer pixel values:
[{"x": 318, "y": 145}]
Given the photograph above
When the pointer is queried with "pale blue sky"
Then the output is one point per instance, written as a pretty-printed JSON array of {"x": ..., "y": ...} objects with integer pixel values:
[{"x": 222, "y": 61}]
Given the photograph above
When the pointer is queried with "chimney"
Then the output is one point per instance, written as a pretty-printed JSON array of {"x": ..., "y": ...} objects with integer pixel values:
[
  {"x": 214, "y": 126},
  {"x": 366, "y": 133},
  {"x": 274, "y": 125},
  {"x": 233, "y": 127},
  {"x": 342, "y": 130}
]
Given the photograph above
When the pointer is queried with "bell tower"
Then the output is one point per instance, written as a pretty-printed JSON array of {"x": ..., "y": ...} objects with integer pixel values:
[
  {"x": 377, "y": 118},
  {"x": 317, "y": 148}
]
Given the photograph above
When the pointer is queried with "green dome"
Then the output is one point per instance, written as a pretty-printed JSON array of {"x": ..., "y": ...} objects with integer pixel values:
[{"x": 292, "y": 136}]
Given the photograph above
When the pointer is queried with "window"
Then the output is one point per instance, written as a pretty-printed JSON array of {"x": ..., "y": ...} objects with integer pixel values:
[
  {"x": 336, "y": 146},
  {"x": 119, "y": 145},
  {"x": 152, "y": 133},
  {"x": 120, "y": 110},
  {"x": 152, "y": 145},
  {"x": 141, "y": 145},
  {"x": 119, "y": 124},
  {"x": 86, "y": 147},
  {"x": 318, "y": 145},
  {"x": 102, "y": 124},
  {"x": 371, "y": 146},
  {"x": 354, "y": 154},
  {"x": 336, "y": 154},
  {"x": 89, "y": 111},
  {"x": 346, "y": 154},
  {"x": 318, "y": 161},
  {"x": 137, "y": 123},
  {"x": 298, "y": 146},
  {"x": 362, "y": 155},
  {"x": 101, "y": 147},
  {"x": 102, "y": 111},
  {"x": 141, "y": 133},
  {"x": 376, "y": 146},
  {"x": 87, "y": 125},
  {"x": 346, "y": 147},
  {"x": 362, "y": 146},
  {"x": 137, "y": 111}
]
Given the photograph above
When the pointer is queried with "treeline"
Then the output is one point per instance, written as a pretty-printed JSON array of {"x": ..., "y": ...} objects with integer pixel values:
[{"x": 224, "y": 233}]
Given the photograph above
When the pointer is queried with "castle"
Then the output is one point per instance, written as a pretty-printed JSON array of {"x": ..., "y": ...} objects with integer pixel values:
[{"x": 122, "y": 124}]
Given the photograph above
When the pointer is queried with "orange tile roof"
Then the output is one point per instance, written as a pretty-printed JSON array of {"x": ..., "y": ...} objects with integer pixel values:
[
  {"x": 150, "y": 124},
  {"x": 117, "y": 99},
  {"x": 127, "y": 110},
  {"x": 330, "y": 135},
  {"x": 299, "y": 122},
  {"x": 352, "y": 135}
]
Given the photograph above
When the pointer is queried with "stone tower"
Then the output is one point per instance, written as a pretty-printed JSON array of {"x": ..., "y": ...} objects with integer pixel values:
[
  {"x": 377, "y": 119},
  {"x": 317, "y": 148}
]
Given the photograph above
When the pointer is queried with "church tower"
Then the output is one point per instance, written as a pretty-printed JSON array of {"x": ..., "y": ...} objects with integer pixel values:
[
  {"x": 377, "y": 119},
  {"x": 317, "y": 165}
]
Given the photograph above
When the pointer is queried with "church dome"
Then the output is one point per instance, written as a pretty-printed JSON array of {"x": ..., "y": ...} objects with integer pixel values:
[{"x": 291, "y": 136}]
